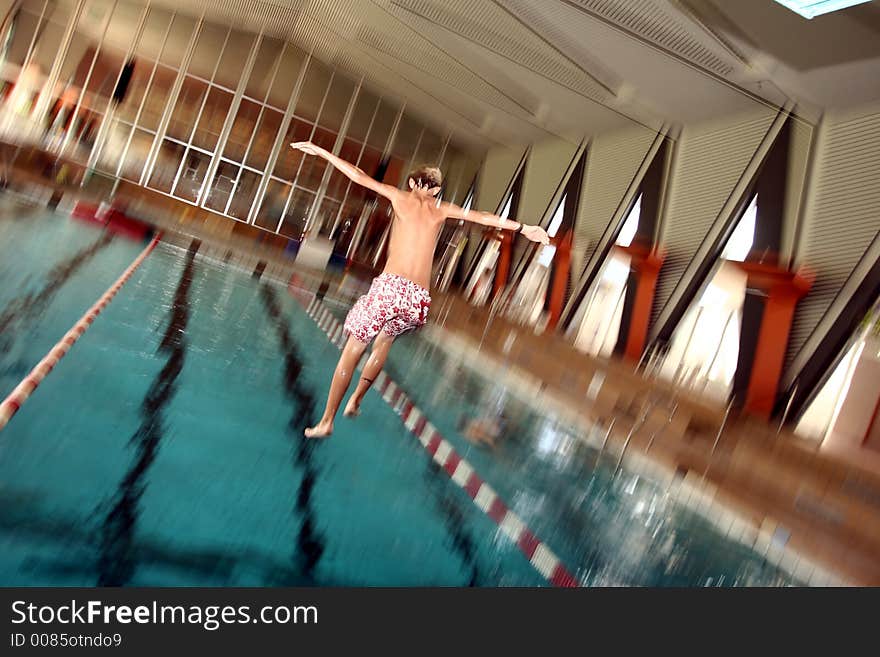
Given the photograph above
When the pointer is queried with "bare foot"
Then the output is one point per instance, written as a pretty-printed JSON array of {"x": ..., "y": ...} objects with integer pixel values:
[
  {"x": 352, "y": 408},
  {"x": 320, "y": 430}
]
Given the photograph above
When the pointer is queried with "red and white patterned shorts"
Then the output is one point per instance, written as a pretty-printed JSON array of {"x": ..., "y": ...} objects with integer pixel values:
[{"x": 394, "y": 305}]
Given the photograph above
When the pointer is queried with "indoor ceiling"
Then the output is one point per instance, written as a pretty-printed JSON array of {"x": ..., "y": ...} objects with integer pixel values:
[{"x": 515, "y": 71}]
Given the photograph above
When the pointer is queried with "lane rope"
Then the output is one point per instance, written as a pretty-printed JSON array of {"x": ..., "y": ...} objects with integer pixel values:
[{"x": 14, "y": 401}]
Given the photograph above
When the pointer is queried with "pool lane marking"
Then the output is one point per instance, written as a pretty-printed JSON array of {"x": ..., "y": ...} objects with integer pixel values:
[
  {"x": 26, "y": 387},
  {"x": 462, "y": 473}
]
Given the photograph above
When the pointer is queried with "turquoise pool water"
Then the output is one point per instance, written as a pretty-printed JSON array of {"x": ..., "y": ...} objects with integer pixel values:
[{"x": 166, "y": 449}]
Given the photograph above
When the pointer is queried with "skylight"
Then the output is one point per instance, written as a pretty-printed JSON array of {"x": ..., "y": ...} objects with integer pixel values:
[{"x": 812, "y": 8}]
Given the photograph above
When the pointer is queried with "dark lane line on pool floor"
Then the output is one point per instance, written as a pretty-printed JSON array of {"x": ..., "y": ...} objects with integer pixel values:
[
  {"x": 310, "y": 542},
  {"x": 32, "y": 304},
  {"x": 119, "y": 558},
  {"x": 26, "y": 515}
]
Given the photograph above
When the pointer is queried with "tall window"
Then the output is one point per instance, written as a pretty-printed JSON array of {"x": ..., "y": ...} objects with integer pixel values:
[
  {"x": 451, "y": 246},
  {"x": 479, "y": 287},
  {"x": 704, "y": 351},
  {"x": 843, "y": 416},
  {"x": 599, "y": 327}
]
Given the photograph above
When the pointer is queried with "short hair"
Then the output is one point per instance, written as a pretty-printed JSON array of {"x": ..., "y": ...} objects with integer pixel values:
[{"x": 426, "y": 176}]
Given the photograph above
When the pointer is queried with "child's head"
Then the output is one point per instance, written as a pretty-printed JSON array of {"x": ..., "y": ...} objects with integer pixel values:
[{"x": 425, "y": 180}]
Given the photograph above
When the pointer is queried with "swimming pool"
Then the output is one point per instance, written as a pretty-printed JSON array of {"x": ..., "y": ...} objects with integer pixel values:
[{"x": 166, "y": 449}]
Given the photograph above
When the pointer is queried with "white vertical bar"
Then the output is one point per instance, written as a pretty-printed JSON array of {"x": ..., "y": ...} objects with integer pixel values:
[
  {"x": 311, "y": 136},
  {"x": 110, "y": 108},
  {"x": 230, "y": 119},
  {"x": 137, "y": 116},
  {"x": 33, "y": 43},
  {"x": 386, "y": 152},
  {"x": 42, "y": 104},
  {"x": 337, "y": 147},
  {"x": 82, "y": 94},
  {"x": 279, "y": 143},
  {"x": 359, "y": 159},
  {"x": 173, "y": 95}
]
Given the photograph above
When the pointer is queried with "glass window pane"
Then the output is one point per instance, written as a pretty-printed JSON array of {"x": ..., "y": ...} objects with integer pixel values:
[
  {"x": 167, "y": 163},
  {"x": 382, "y": 125},
  {"x": 429, "y": 149},
  {"x": 156, "y": 98},
  {"x": 84, "y": 130},
  {"x": 136, "y": 157},
  {"x": 313, "y": 168},
  {"x": 272, "y": 205},
  {"x": 313, "y": 89},
  {"x": 178, "y": 39},
  {"x": 326, "y": 215},
  {"x": 192, "y": 174},
  {"x": 52, "y": 32},
  {"x": 209, "y": 45},
  {"x": 407, "y": 138},
  {"x": 150, "y": 44},
  {"x": 186, "y": 108},
  {"x": 311, "y": 173},
  {"x": 113, "y": 146},
  {"x": 364, "y": 107},
  {"x": 222, "y": 186},
  {"x": 297, "y": 212},
  {"x": 370, "y": 160},
  {"x": 289, "y": 159},
  {"x": 134, "y": 94},
  {"x": 242, "y": 129},
  {"x": 213, "y": 118},
  {"x": 348, "y": 219},
  {"x": 292, "y": 61},
  {"x": 324, "y": 138},
  {"x": 94, "y": 14},
  {"x": 235, "y": 55},
  {"x": 122, "y": 28},
  {"x": 245, "y": 191},
  {"x": 338, "y": 98},
  {"x": 350, "y": 151},
  {"x": 24, "y": 26},
  {"x": 264, "y": 66},
  {"x": 83, "y": 44},
  {"x": 264, "y": 139},
  {"x": 336, "y": 185},
  {"x": 102, "y": 82}
]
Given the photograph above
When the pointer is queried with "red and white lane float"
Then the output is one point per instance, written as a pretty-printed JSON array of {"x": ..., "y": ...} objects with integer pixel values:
[{"x": 23, "y": 390}]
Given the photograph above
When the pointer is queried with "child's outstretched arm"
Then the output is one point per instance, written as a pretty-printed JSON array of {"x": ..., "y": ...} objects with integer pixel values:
[
  {"x": 355, "y": 174},
  {"x": 534, "y": 233}
]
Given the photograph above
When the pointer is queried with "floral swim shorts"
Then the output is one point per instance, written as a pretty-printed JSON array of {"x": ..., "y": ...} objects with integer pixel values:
[{"x": 393, "y": 305}]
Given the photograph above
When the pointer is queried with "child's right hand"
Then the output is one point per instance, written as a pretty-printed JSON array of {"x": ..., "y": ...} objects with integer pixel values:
[{"x": 306, "y": 147}]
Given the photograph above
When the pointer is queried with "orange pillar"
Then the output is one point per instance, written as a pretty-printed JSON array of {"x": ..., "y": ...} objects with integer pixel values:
[
  {"x": 561, "y": 264},
  {"x": 782, "y": 289},
  {"x": 645, "y": 263}
]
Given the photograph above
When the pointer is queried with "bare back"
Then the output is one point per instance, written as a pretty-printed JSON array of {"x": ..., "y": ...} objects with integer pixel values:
[{"x": 414, "y": 231}]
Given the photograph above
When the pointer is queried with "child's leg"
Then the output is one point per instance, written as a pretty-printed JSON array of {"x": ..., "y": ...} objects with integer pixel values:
[
  {"x": 351, "y": 354},
  {"x": 374, "y": 365}
]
